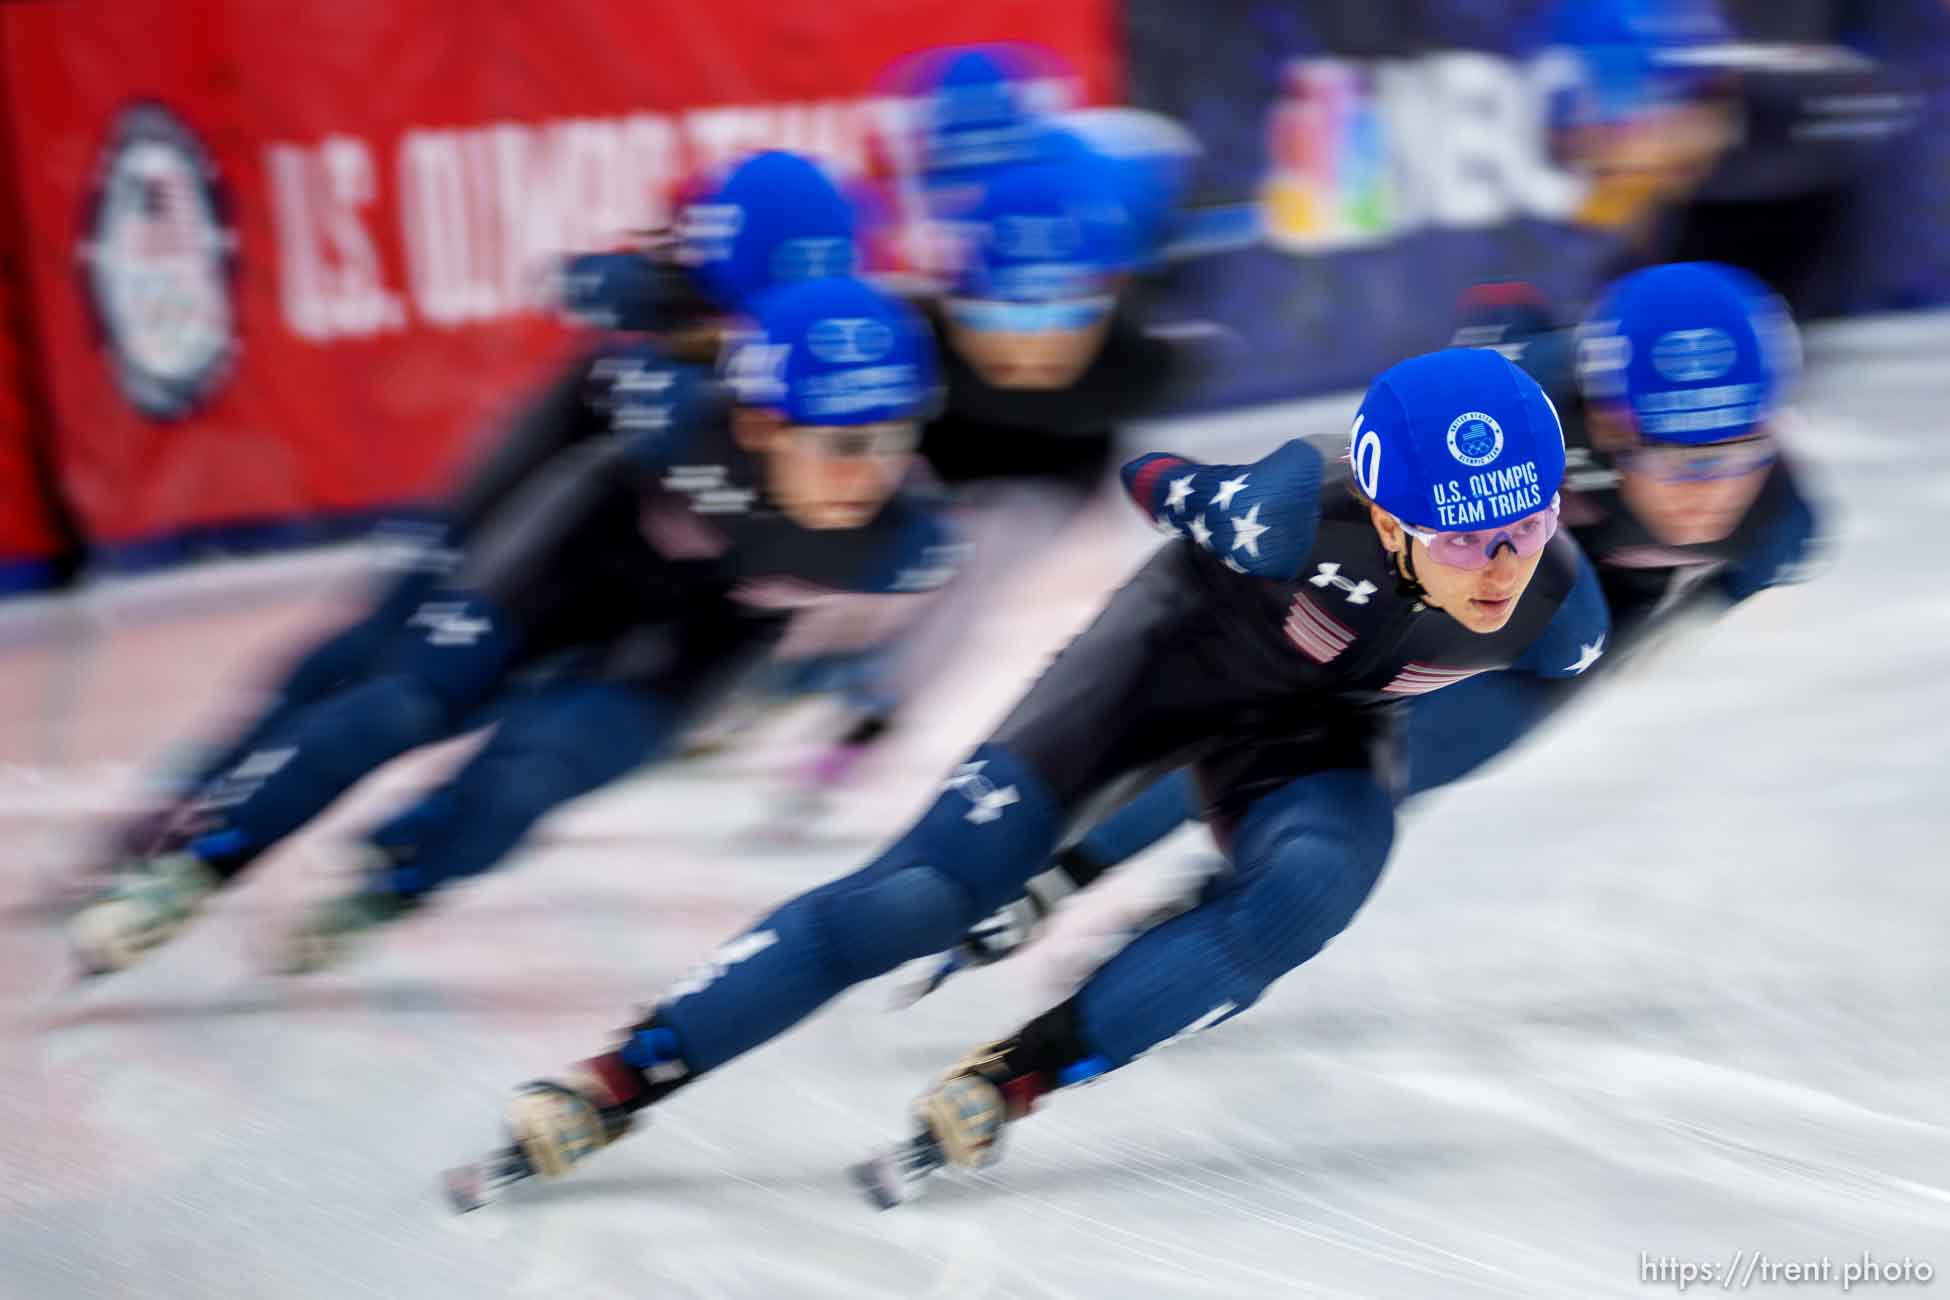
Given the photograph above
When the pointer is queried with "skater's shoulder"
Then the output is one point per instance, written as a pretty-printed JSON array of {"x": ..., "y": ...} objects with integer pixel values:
[
  {"x": 1259, "y": 517},
  {"x": 1781, "y": 541},
  {"x": 656, "y": 408},
  {"x": 1563, "y": 615},
  {"x": 914, "y": 547}
]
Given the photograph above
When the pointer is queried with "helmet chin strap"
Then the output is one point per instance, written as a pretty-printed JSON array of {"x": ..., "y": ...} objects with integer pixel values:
[{"x": 1406, "y": 583}]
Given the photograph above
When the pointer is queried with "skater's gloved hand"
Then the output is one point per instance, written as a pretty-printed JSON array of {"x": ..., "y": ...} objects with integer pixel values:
[
  {"x": 1000, "y": 934},
  {"x": 988, "y": 941},
  {"x": 1259, "y": 518}
]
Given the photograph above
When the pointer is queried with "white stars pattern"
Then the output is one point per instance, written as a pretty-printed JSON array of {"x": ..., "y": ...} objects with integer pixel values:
[
  {"x": 1228, "y": 488},
  {"x": 1200, "y": 532},
  {"x": 1246, "y": 530},
  {"x": 1181, "y": 488},
  {"x": 1587, "y": 656}
]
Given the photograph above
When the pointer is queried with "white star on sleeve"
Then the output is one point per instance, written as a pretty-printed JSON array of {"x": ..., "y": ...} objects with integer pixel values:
[
  {"x": 1165, "y": 526},
  {"x": 1227, "y": 489},
  {"x": 1587, "y": 656},
  {"x": 1201, "y": 533},
  {"x": 1246, "y": 530},
  {"x": 1180, "y": 489}
]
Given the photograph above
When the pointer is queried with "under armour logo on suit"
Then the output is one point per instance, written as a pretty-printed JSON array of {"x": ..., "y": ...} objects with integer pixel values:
[
  {"x": 989, "y": 801},
  {"x": 447, "y": 623},
  {"x": 1330, "y": 575}
]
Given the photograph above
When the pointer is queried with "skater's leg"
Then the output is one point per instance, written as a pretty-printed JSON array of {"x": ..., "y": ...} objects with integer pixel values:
[
  {"x": 1162, "y": 808},
  {"x": 558, "y": 573},
  {"x": 1158, "y": 810},
  {"x": 277, "y": 788},
  {"x": 555, "y": 742},
  {"x": 1307, "y": 857},
  {"x": 329, "y": 666},
  {"x": 1092, "y": 718},
  {"x": 992, "y": 824},
  {"x": 433, "y": 811},
  {"x": 544, "y": 577},
  {"x": 296, "y": 773},
  {"x": 555, "y": 745},
  {"x": 420, "y": 822},
  {"x": 551, "y": 747},
  {"x": 994, "y": 813}
]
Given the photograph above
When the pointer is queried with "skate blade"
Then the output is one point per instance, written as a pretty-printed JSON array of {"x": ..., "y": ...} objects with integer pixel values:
[
  {"x": 470, "y": 1186},
  {"x": 898, "y": 1174},
  {"x": 878, "y": 1181},
  {"x": 909, "y": 991}
]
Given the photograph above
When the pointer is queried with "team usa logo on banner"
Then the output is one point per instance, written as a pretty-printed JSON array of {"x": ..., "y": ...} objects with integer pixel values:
[{"x": 158, "y": 258}]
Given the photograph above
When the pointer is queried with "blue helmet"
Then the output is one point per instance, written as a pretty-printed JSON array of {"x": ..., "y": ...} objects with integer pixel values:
[
  {"x": 835, "y": 351},
  {"x": 1044, "y": 231},
  {"x": 775, "y": 217},
  {"x": 1639, "y": 53},
  {"x": 1456, "y": 441},
  {"x": 975, "y": 111},
  {"x": 1700, "y": 352},
  {"x": 1148, "y": 158}
]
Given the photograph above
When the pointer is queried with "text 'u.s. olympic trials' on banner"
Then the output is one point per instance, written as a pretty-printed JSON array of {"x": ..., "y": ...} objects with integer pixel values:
[{"x": 288, "y": 263}]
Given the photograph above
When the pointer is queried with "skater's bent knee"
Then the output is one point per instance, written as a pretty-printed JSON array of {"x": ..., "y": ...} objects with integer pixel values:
[
  {"x": 389, "y": 715},
  {"x": 1330, "y": 815},
  {"x": 892, "y": 917}
]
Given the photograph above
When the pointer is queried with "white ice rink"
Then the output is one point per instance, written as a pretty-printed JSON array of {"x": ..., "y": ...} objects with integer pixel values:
[{"x": 1674, "y": 982}]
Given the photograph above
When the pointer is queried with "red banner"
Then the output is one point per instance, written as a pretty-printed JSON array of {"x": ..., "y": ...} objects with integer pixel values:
[
  {"x": 27, "y": 535},
  {"x": 27, "y": 542},
  {"x": 285, "y": 258}
]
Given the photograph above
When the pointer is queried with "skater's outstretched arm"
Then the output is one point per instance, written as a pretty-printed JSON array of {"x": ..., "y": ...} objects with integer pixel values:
[{"x": 1259, "y": 518}]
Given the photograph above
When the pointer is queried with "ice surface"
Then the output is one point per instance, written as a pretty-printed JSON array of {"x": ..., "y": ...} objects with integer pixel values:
[{"x": 1673, "y": 981}]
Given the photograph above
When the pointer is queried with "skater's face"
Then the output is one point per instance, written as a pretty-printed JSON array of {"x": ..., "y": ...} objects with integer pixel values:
[
  {"x": 1688, "y": 495},
  {"x": 1028, "y": 345},
  {"x": 829, "y": 476},
  {"x": 1481, "y": 599}
]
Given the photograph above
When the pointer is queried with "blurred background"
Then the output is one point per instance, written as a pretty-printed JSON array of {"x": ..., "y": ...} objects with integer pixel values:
[
  {"x": 272, "y": 273},
  {"x": 270, "y": 270}
]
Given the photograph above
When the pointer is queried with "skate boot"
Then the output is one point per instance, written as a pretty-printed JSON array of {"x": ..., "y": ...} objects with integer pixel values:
[
  {"x": 957, "y": 1123},
  {"x": 555, "y": 1124},
  {"x": 145, "y": 907},
  {"x": 336, "y": 928}
]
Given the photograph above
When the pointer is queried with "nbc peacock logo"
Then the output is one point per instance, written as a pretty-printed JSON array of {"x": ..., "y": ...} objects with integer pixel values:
[{"x": 1327, "y": 181}]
